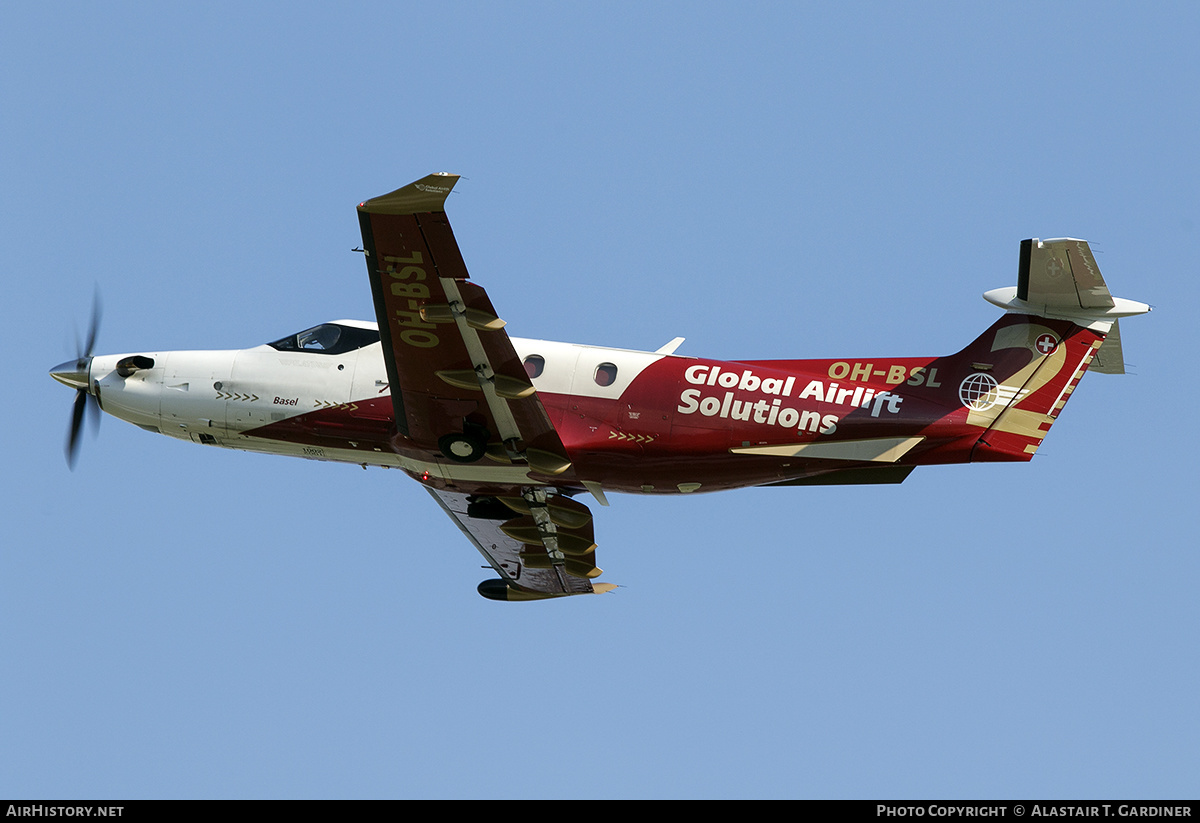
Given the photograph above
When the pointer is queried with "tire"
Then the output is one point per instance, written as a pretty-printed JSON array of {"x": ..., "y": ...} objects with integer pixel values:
[{"x": 462, "y": 448}]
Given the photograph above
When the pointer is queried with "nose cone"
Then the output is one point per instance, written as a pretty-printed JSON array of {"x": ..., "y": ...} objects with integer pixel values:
[{"x": 73, "y": 373}]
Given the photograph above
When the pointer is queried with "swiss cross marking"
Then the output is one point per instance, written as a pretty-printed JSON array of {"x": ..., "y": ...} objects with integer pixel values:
[{"x": 1046, "y": 343}]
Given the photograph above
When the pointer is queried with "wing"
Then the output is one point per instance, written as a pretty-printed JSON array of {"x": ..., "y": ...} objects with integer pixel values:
[
  {"x": 460, "y": 393},
  {"x": 541, "y": 546},
  {"x": 457, "y": 385}
]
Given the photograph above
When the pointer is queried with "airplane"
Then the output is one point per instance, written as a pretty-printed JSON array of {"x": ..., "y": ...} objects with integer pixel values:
[{"x": 506, "y": 433}]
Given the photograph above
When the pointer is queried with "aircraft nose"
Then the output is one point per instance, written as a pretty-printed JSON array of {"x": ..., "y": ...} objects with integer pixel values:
[{"x": 73, "y": 373}]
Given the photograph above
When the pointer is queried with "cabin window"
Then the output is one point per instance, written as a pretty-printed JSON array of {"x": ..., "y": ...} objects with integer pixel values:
[
  {"x": 535, "y": 364},
  {"x": 606, "y": 374}
]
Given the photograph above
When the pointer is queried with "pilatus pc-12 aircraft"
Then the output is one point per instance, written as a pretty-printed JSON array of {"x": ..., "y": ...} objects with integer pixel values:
[{"x": 505, "y": 433}]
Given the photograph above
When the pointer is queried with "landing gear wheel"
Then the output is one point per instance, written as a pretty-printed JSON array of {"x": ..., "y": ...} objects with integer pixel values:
[{"x": 462, "y": 448}]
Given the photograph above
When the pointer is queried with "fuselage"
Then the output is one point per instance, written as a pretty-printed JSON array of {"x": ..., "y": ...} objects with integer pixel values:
[
  {"x": 504, "y": 431},
  {"x": 632, "y": 421}
]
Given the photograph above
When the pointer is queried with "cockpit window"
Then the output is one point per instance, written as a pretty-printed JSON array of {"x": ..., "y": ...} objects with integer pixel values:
[
  {"x": 321, "y": 338},
  {"x": 328, "y": 338}
]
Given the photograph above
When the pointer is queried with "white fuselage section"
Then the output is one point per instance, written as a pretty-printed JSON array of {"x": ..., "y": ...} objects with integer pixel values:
[{"x": 223, "y": 398}]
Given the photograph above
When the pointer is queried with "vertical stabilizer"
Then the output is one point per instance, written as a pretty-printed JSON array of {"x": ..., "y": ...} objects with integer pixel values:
[
  {"x": 1015, "y": 379},
  {"x": 1062, "y": 319}
]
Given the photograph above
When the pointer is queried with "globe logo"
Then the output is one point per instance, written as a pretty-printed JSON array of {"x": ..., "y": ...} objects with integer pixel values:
[{"x": 978, "y": 391}]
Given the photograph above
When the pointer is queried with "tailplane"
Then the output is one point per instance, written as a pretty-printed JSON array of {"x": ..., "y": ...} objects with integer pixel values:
[
  {"x": 1060, "y": 279},
  {"x": 1021, "y": 372}
]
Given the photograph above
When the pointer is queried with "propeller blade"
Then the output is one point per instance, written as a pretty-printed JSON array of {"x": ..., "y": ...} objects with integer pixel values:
[
  {"x": 81, "y": 404},
  {"x": 76, "y": 375},
  {"x": 93, "y": 413},
  {"x": 93, "y": 327}
]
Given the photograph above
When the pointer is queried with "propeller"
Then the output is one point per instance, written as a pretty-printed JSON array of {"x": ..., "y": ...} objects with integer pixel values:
[{"x": 77, "y": 374}]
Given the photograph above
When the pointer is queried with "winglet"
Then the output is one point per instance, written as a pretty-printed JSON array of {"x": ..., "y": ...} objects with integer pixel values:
[{"x": 425, "y": 195}]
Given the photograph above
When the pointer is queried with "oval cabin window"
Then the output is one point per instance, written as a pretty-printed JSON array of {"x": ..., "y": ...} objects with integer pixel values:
[
  {"x": 606, "y": 374},
  {"x": 535, "y": 364}
]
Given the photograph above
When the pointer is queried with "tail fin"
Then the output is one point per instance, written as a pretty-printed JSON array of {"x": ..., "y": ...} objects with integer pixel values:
[{"x": 1021, "y": 372}]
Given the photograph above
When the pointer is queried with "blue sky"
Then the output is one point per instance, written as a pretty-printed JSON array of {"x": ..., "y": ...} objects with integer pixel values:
[{"x": 778, "y": 180}]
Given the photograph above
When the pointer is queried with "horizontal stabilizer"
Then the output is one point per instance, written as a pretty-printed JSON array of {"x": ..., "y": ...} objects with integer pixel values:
[
  {"x": 1060, "y": 278},
  {"x": 1061, "y": 273}
]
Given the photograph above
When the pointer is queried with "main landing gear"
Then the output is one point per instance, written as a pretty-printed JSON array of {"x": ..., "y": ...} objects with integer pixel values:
[{"x": 467, "y": 446}]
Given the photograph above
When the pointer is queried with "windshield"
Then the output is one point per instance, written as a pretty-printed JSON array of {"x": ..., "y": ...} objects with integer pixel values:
[
  {"x": 321, "y": 338},
  {"x": 327, "y": 338}
]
